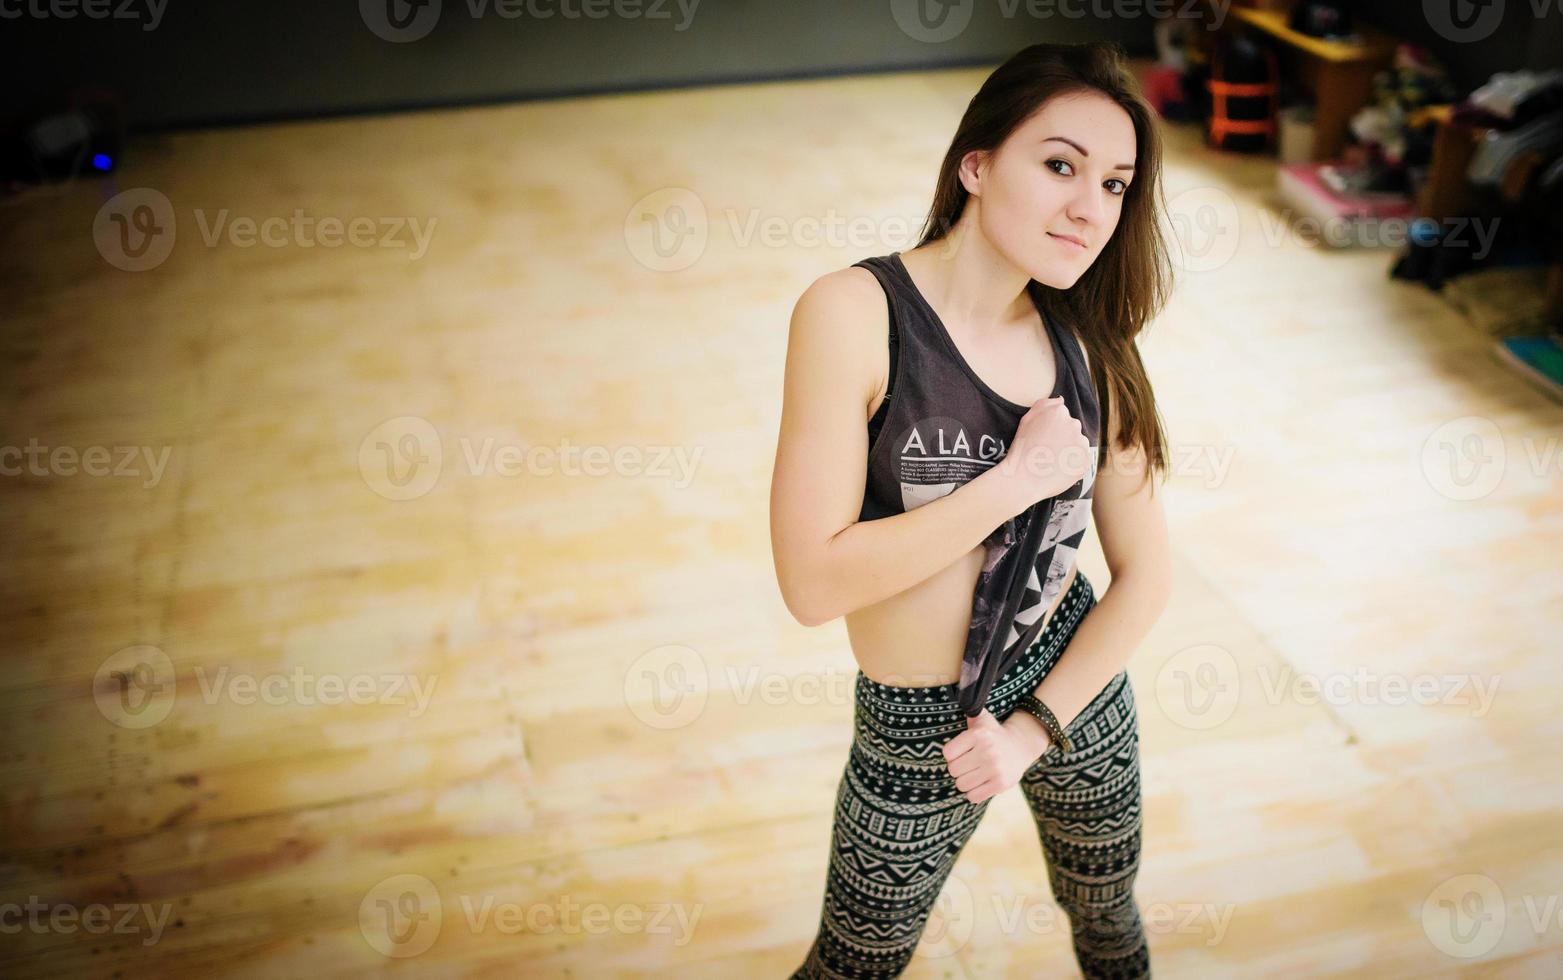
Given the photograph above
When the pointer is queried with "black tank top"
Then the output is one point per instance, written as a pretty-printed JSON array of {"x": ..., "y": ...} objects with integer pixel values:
[{"x": 940, "y": 426}]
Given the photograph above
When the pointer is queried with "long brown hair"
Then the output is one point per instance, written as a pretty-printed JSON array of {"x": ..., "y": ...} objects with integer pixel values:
[{"x": 1131, "y": 279}]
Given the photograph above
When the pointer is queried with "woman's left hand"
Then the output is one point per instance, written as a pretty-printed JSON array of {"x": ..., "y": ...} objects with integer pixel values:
[{"x": 988, "y": 758}]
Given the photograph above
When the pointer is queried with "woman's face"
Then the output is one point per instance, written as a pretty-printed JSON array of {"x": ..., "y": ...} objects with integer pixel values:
[{"x": 1053, "y": 192}]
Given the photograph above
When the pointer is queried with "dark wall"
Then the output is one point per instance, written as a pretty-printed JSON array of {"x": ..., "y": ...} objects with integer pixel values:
[
  {"x": 1520, "y": 34},
  {"x": 222, "y": 61},
  {"x": 199, "y": 62}
]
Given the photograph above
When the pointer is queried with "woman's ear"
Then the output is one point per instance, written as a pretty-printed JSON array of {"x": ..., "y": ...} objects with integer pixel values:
[{"x": 973, "y": 165}]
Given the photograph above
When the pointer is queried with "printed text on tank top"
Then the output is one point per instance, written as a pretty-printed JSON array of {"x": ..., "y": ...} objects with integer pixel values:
[{"x": 937, "y": 426}]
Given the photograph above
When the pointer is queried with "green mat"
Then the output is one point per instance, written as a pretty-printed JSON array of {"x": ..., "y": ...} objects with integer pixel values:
[{"x": 1538, "y": 357}]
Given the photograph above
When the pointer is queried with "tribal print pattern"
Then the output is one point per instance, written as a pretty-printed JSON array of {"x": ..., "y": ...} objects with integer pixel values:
[{"x": 900, "y": 823}]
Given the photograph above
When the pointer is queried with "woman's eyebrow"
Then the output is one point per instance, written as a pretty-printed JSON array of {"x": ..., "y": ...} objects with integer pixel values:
[{"x": 1084, "y": 152}]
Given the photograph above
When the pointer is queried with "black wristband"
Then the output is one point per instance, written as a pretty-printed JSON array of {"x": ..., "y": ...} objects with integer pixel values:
[{"x": 1032, "y": 705}]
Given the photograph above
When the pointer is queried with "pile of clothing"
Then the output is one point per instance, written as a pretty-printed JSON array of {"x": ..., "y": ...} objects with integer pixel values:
[
  {"x": 1415, "y": 80},
  {"x": 1524, "y": 115},
  {"x": 1512, "y": 98},
  {"x": 1516, "y": 172}
]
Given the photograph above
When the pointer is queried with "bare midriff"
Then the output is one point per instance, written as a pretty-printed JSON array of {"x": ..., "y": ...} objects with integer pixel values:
[{"x": 917, "y": 637}]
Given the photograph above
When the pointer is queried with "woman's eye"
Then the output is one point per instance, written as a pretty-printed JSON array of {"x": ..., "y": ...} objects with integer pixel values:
[{"x": 1070, "y": 169}]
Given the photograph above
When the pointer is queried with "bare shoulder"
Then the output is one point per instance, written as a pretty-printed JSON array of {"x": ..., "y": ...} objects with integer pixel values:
[
  {"x": 846, "y": 297},
  {"x": 841, "y": 326}
]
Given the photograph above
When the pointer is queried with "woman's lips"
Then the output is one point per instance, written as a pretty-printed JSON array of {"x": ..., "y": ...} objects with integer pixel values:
[{"x": 1068, "y": 241}]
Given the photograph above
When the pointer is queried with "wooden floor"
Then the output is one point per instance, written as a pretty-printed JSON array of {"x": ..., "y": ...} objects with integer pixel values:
[{"x": 343, "y": 687}]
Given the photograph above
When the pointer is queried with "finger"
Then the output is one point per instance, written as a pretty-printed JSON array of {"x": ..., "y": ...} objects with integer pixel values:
[
  {"x": 965, "y": 764},
  {"x": 958, "y": 746},
  {"x": 973, "y": 779},
  {"x": 982, "y": 792}
]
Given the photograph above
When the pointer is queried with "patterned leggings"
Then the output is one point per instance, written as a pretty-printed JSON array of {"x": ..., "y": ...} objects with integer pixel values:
[{"x": 900, "y": 822}]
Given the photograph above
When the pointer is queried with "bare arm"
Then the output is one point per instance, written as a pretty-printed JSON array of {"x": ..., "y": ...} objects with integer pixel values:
[
  {"x": 827, "y": 562},
  {"x": 1133, "y": 530}
]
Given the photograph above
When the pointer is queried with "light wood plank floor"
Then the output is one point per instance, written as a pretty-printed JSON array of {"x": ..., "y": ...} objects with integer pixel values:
[{"x": 340, "y": 673}]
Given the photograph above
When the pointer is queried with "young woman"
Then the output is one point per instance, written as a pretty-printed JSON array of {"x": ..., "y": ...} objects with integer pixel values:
[{"x": 987, "y": 362}]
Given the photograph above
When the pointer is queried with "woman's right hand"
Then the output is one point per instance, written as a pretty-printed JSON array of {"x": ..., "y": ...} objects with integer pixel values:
[{"x": 1049, "y": 454}]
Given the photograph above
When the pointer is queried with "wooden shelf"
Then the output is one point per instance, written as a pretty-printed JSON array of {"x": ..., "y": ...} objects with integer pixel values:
[
  {"x": 1338, "y": 73},
  {"x": 1375, "y": 47},
  {"x": 1445, "y": 193}
]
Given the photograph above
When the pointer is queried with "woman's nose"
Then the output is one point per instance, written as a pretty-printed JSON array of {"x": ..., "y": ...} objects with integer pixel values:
[{"x": 1086, "y": 207}]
